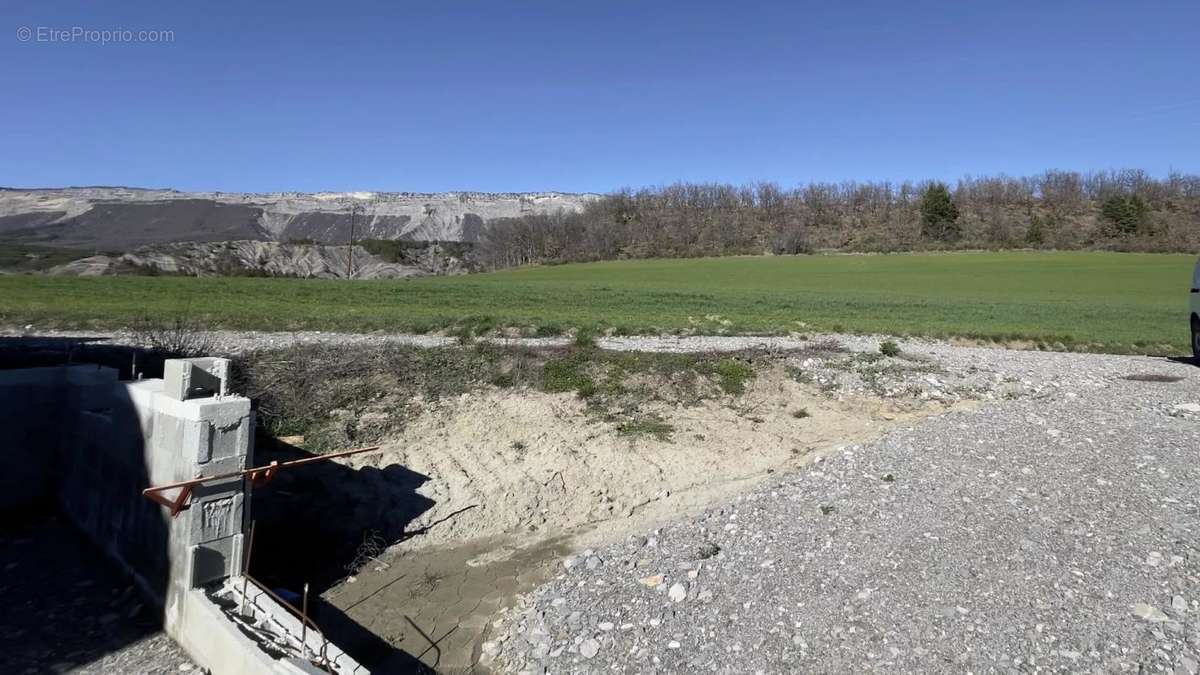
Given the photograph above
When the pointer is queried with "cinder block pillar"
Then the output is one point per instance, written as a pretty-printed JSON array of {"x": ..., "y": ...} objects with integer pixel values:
[{"x": 209, "y": 433}]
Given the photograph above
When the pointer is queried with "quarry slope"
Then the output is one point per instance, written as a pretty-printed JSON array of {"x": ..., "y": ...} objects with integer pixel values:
[{"x": 120, "y": 218}]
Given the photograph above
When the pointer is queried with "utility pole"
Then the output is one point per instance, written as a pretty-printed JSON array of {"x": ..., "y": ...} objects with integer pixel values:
[{"x": 350, "y": 262}]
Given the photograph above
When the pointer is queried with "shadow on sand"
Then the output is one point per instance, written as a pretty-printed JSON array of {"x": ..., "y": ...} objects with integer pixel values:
[{"x": 320, "y": 523}]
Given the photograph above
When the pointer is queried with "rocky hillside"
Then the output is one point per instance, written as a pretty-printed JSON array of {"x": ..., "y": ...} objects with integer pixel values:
[
  {"x": 119, "y": 219},
  {"x": 269, "y": 259}
]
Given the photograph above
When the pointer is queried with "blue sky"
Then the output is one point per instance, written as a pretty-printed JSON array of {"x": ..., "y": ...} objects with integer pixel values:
[{"x": 592, "y": 96}]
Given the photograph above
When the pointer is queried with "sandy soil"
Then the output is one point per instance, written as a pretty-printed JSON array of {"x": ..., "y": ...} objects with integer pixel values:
[{"x": 524, "y": 461}]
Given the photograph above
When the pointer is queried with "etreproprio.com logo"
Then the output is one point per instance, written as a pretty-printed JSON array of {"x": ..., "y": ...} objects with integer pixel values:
[{"x": 101, "y": 36}]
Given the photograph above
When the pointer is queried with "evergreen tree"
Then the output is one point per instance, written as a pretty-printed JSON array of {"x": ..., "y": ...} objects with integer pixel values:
[
  {"x": 1124, "y": 214},
  {"x": 1036, "y": 235},
  {"x": 939, "y": 215}
]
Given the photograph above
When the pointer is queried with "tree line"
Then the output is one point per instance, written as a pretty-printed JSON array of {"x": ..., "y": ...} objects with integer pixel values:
[{"x": 1118, "y": 210}]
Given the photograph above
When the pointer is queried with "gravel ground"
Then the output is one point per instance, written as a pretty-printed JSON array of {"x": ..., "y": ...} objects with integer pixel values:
[
  {"x": 240, "y": 341},
  {"x": 67, "y": 610},
  {"x": 1053, "y": 533}
]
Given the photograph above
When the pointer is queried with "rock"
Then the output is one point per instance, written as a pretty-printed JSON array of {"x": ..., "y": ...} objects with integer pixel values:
[
  {"x": 651, "y": 581},
  {"x": 605, "y": 625},
  {"x": 1178, "y": 604},
  {"x": 1187, "y": 407},
  {"x": 589, "y": 648},
  {"x": 593, "y": 562},
  {"x": 491, "y": 648},
  {"x": 677, "y": 593},
  {"x": 1151, "y": 614},
  {"x": 673, "y": 644}
]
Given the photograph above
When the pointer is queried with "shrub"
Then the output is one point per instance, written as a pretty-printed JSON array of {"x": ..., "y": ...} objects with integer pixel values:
[
  {"x": 299, "y": 388},
  {"x": 585, "y": 338},
  {"x": 732, "y": 376},
  {"x": 889, "y": 348},
  {"x": 178, "y": 337},
  {"x": 568, "y": 374}
]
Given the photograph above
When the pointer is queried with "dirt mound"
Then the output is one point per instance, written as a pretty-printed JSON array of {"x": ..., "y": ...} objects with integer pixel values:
[{"x": 504, "y": 461}]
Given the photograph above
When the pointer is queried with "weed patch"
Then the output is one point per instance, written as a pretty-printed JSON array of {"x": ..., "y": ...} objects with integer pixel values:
[
  {"x": 648, "y": 425},
  {"x": 733, "y": 375},
  {"x": 336, "y": 397}
]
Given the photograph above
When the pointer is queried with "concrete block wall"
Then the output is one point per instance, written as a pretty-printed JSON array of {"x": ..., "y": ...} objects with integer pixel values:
[
  {"x": 34, "y": 424},
  {"x": 96, "y": 443},
  {"x": 78, "y": 436}
]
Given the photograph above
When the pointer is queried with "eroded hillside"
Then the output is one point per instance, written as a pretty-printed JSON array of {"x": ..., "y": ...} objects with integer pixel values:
[{"x": 118, "y": 218}]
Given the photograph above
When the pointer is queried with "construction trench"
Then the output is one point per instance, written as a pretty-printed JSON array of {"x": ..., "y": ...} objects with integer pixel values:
[{"x": 264, "y": 557}]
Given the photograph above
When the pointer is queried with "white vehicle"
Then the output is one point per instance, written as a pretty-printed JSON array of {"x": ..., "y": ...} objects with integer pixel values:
[{"x": 1195, "y": 306}]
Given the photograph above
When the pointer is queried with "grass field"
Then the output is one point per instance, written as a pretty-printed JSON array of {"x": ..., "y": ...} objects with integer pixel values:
[{"x": 1091, "y": 300}]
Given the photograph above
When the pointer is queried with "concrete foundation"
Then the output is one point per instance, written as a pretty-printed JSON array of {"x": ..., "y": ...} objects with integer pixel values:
[{"x": 76, "y": 436}]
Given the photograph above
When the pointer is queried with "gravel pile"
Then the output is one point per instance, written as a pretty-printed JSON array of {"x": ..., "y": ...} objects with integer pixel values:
[{"x": 1057, "y": 532}]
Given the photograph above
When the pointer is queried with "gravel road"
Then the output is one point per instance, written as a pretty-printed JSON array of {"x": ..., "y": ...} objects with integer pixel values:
[{"x": 1053, "y": 533}]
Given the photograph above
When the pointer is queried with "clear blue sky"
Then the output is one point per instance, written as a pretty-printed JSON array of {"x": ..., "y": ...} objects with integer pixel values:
[{"x": 592, "y": 96}]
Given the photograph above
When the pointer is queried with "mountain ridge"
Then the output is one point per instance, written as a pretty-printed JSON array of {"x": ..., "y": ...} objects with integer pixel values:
[{"x": 119, "y": 218}]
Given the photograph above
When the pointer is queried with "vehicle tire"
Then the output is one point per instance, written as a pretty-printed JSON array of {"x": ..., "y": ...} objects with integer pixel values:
[{"x": 1196, "y": 340}]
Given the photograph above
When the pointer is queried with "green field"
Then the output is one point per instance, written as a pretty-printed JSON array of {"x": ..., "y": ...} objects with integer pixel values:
[{"x": 1084, "y": 300}]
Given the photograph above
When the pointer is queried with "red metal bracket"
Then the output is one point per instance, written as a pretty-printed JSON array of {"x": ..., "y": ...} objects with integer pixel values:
[{"x": 259, "y": 476}]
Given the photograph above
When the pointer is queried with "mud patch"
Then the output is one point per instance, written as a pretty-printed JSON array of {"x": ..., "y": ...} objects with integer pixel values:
[{"x": 435, "y": 604}]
